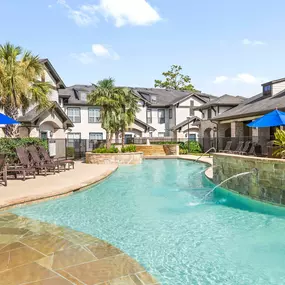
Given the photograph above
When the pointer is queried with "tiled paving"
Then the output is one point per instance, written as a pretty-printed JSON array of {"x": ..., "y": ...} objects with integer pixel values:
[{"x": 37, "y": 253}]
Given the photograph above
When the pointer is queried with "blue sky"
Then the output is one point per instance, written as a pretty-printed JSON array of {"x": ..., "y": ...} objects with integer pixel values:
[{"x": 225, "y": 46}]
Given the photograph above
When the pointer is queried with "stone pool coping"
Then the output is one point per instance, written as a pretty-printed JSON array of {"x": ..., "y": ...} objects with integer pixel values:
[
  {"x": 33, "y": 252},
  {"x": 20, "y": 192}
]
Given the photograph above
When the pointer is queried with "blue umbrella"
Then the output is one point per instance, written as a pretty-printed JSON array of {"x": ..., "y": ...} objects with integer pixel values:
[
  {"x": 273, "y": 119},
  {"x": 5, "y": 120}
]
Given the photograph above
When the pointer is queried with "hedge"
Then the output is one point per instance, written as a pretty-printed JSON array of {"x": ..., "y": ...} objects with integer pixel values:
[{"x": 8, "y": 146}]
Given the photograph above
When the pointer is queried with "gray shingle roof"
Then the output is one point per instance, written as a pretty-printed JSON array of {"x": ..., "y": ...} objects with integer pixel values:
[
  {"x": 256, "y": 105},
  {"x": 35, "y": 113},
  {"x": 144, "y": 124},
  {"x": 184, "y": 123},
  {"x": 225, "y": 100},
  {"x": 164, "y": 97}
]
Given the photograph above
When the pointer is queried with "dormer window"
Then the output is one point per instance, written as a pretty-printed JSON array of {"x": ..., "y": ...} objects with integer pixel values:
[
  {"x": 267, "y": 90},
  {"x": 153, "y": 99}
]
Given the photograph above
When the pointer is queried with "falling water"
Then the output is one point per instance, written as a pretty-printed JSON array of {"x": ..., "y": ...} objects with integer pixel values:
[{"x": 226, "y": 180}]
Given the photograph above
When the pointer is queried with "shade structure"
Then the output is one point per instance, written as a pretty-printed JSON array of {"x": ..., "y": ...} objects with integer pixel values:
[
  {"x": 273, "y": 119},
  {"x": 5, "y": 120}
]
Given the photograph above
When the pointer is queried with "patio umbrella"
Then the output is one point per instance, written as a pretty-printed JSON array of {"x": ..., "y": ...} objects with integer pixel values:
[
  {"x": 273, "y": 119},
  {"x": 5, "y": 120}
]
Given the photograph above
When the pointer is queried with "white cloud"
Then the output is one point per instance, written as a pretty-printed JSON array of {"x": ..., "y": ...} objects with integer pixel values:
[
  {"x": 252, "y": 43},
  {"x": 78, "y": 16},
  {"x": 241, "y": 77},
  {"x": 49, "y": 6},
  {"x": 249, "y": 79},
  {"x": 98, "y": 51},
  {"x": 220, "y": 79},
  {"x": 122, "y": 12}
]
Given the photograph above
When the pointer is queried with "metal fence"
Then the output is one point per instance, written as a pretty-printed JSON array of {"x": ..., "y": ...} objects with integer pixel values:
[{"x": 78, "y": 147}]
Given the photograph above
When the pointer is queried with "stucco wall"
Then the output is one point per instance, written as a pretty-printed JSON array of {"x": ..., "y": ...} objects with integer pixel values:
[
  {"x": 114, "y": 158},
  {"x": 267, "y": 184}
]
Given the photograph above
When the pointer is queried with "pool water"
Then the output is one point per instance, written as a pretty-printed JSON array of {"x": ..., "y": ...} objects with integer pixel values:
[{"x": 146, "y": 211}]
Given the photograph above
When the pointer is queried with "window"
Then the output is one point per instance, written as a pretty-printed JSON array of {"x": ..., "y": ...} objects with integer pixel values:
[
  {"x": 161, "y": 116},
  {"x": 170, "y": 113},
  {"x": 148, "y": 116},
  {"x": 73, "y": 139},
  {"x": 74, "y": 115},
  {"x": 94, "y": 115},
  {"x": 192, "y": 108},
  {"x": 267, "y": 90},
  {"x": 83, "y": 96},
  {"x": 192, "y": 137},
  {"x": 209, "y": 113},
  {"x": 153, "y": 99},
  {"x": 161, "y": 135},
  {"x": 96, "y": 136}
]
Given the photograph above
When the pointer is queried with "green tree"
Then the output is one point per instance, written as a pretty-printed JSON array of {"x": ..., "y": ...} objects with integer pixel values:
[
  {"x": 175, "y": 80},
  {"x": 128, "y": 109},
  {"x": 103, "y": 96},
  {"x": 118, "y": 107},
  {"x": 20, "y": 83}
]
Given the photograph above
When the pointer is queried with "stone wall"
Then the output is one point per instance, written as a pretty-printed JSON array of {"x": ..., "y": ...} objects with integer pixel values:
[
  {"x": 158, "y": 150},
  {"x": 265, "y": 184},
  {"x": 114, "y": 158}
]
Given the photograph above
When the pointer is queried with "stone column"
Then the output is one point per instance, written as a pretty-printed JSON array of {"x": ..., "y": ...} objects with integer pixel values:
[{"x": 237, "y": 129}]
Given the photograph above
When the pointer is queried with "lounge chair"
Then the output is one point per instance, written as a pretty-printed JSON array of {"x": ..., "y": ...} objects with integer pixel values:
[
  {"x": 227, "y": 147},
  {"x": 60, "y": 162},
  {"x": 239, "y": 148},
  {"x": 3, "y": 169},
  {"x": 24, "y": 166},
  {"x": 251, "y": 150},
  {"x": 39, "y": 164},
  {"x": 245, "y": 148}
]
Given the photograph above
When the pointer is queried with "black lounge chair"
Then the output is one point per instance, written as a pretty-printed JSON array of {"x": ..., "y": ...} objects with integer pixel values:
[
  {"x": 39, "y": 164},
  {"x": 252, "y": 149},
  {"x": 245, "y": 148},
  {"x": 227, "y": 147},
  {"x": 24, "y": 166},
  {"x": 239, "y": 148}
]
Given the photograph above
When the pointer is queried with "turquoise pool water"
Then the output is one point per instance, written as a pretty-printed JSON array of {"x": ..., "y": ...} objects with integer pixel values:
[{"x": 145, "y": 211}]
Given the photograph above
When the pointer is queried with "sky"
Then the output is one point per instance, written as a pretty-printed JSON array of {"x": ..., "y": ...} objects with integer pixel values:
[{"x": 225, "y": 46}]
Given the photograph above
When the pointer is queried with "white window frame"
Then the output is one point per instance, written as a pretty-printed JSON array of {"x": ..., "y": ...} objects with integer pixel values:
[
  {"x": 93, "y": 119},
  {"x": 161, "y": 119},
  {"x": 71, "y": 113}
]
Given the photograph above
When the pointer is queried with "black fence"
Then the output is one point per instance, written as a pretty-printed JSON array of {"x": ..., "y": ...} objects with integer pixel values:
[{"x": 77, "y": 148}]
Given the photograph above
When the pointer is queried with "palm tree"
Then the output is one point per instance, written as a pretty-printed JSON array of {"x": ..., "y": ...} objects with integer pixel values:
[
  {"x": 128, "y": 110},
  {"x": 103, "y": 96},
  {"x": 20, "y": 84}
]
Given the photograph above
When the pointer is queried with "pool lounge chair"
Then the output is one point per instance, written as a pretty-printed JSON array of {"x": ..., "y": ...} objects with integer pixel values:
[
  {"x": 3, "y": 169},
  {"x": 239, "y": 148},
  {"x": 251, "y": 151},
  {"x": 227, "y": 147},
  {"x": 60, "y": 162},
  {"x": 39, "y": 164},
  {"x": 24, "y": 166},
  {"x": 245, "y": 148}
]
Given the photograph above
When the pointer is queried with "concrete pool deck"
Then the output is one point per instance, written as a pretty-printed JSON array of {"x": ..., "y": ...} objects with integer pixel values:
[{"x": 53, "y": 186}]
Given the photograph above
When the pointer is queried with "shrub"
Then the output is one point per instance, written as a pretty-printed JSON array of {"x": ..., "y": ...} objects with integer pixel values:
[
  {"x": 70, "y": 151},
  {"x": 129, "y": 148},
  {"x": 112, "y": 149},
  {"x": 183, "y": 151},
  {"x": 194, "y": 147},
  {"x": 8, "y": 145}
]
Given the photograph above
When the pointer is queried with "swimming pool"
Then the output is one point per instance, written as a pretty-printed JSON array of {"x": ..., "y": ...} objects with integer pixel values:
[{"x": 145, "y": 211}]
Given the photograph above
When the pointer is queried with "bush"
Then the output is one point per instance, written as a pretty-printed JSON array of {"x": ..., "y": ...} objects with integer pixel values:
[
  {"x": 112, "y": 149},
  {"x": 183, "y": 151},
  {"x": 194, "y": 147},
  {"x": 129, "y": 148},
  {"x": 8, "y": 146},
  {"x": 70, "y": 151}
]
